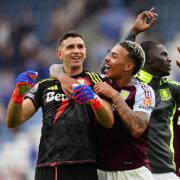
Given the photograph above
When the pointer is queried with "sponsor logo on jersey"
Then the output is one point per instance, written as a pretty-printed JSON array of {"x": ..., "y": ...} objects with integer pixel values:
[
  {"x": 165, "y": 94},
  {"x": 147, "y": 108},
  {"x": 124, "y": 94},
  {"x": 147, "y": 101},
  {"x": 53, "y": 96}
]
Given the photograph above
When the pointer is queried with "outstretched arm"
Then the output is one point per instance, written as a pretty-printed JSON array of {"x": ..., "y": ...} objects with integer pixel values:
[
  {"x": 20, "y": 110},
  {"x": 144, "y": 21}
]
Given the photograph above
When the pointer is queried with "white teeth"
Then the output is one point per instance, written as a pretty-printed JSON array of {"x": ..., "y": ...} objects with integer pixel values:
[
  {"x": 76, "y": 57},
  {"x": 107, "y": 66}
]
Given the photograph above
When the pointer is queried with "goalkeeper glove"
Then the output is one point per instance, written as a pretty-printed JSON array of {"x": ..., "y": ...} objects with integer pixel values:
[
  {"x": 84, "y": 94},
  {"x": 24, "y": 81}
]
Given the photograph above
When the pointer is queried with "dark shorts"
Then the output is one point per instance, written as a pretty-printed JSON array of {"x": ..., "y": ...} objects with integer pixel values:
[{"x": 67, "y": 172}]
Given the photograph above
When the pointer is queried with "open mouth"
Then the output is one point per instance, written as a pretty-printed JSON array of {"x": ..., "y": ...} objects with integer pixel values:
[
  {"x": 107, "y": 68},
  {"x": 76, "y": 57}
]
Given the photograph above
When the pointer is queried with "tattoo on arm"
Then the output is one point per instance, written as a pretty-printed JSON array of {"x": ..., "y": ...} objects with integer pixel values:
[{"x": 135, "y": 122}]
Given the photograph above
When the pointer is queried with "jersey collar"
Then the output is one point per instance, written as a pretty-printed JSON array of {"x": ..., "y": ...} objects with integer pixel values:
[{"x": 144, "y": 76}]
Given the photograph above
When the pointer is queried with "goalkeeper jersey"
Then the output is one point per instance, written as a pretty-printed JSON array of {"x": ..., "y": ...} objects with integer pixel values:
[
  {"x": 160, "y": 147},
  {"x": 68, "y": 130}
]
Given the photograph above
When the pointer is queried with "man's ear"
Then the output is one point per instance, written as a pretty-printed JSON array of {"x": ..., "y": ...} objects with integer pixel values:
[
  {"x": 148, "y": 59},
  {"x": 129, "y": 66},
  {"x": 58, "y": 52},
  {"x": 85, "y": 53}
]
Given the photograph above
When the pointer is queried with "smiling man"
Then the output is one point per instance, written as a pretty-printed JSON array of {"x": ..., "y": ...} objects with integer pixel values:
[
  {"x": 122, "y": 151},
  {"x": 67, "y": 149}
]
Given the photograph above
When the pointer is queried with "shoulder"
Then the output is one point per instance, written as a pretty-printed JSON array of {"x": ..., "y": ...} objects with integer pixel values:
[
  {"x": 93, "y": 76},
  {"x": 47, "y": 80},
  {"x": 45, "y": 83},
  {"x": 142, "y": 86},
  {"x": 171, "y": 82}
]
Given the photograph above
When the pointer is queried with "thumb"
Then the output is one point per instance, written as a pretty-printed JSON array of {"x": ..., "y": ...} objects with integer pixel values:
[{"x": 32, "y": 74}]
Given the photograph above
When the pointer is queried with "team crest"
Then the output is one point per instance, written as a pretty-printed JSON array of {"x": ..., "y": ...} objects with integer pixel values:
[
  {"x": 124, "y": 94},
  {"x": 165, "y": 94}
]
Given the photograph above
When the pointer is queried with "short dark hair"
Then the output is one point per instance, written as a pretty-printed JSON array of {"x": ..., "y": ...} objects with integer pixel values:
[
  {"x": 146, "y": 45},
  {"x": 67, "y": 35},
  {"x": 136, "y": 53}
]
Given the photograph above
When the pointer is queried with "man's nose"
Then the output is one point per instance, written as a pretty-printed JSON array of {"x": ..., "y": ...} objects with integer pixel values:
[
  {"x": 75, "y": 49},
  {"x": 169, "y": 60},
  {"x": 107, "y": 58}
]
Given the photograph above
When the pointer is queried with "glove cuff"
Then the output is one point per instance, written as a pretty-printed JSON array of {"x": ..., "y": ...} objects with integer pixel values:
[
  {"x": 16, "y": 97},
  {"x": 96, "y": 103}
]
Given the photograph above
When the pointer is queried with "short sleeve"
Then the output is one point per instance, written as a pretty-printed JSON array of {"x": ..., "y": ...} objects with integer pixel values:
[
  {"x": 144, "y": 99},
  {"x": 35, "y": 94}
]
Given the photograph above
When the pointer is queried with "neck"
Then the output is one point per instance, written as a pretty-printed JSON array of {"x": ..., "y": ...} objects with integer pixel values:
[
  {"x": 73, "y": 72},
  {"x": 152, "y": 72},
  {"x": 149, "y": 70},
  {"x": 122, "y": 82}
]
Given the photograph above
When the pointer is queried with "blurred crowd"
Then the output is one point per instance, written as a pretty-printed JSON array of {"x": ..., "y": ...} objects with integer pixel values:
[{"x": 29, "y": 31}]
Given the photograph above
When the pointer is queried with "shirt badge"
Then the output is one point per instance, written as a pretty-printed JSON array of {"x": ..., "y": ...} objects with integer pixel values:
[
  {"x": 147, "y": 101},
  {"x": 165, "y": 94},
  {"x": 124, "y": 94}
]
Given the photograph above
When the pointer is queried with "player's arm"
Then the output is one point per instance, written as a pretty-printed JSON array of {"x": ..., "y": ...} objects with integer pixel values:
[
  {"x": 20, "y": 110},
  {"x": 19, "y": 113},
  {"x": 135, "y": 121},
  {"x": 57, "y": 72},
  {"x": 83, "y": 94},
  {"x": 144, "y": 21}
]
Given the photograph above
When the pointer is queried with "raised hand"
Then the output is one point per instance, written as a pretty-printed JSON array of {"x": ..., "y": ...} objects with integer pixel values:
[
  {"x": 178, "y": 61},
  {"x": 84, "y": 94},
  {"x": 24, "y": 82},
  {"x": 145, "y": 20}
]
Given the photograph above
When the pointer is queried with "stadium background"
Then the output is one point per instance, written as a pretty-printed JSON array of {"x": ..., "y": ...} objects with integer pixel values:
[{"x": 28, "y": 37}]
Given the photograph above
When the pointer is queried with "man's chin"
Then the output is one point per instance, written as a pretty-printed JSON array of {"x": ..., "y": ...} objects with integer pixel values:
[{"x": 106, "y": 75}]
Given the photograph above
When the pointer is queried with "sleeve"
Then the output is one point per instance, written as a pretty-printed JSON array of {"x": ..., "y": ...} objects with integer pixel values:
[
  {"x": 130, "y": 36},
  {"x": 144, "y": 99},
  {"x": 35, "y": 94}
]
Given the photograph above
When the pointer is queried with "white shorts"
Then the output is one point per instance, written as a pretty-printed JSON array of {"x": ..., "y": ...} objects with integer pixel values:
[
  {"x": 141, "y": 173},
  {"x": 165, "y": 176}
]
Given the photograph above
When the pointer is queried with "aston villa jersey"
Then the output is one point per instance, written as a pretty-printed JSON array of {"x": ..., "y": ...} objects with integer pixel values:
[{"x": 118, "y": 149}]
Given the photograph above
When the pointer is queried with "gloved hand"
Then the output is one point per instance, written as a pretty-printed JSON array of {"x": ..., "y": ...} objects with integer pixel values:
[
  {"x": 24, "y": 81},
  {"x": 84, "y": 94}
]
